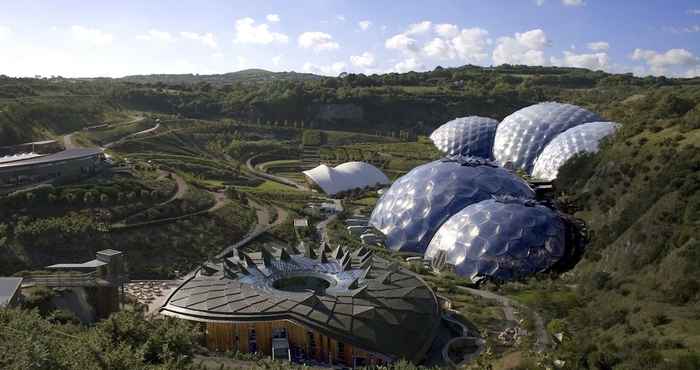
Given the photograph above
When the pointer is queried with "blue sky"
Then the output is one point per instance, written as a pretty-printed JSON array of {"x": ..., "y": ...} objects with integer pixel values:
[{"x": 100, "y": 38}]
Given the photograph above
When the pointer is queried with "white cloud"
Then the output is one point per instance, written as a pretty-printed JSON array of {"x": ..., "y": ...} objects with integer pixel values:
[
  {"x": 419, "y": 28},
  {"x": 439, "y": 48},
  {"x": 365, "y": 60},
  {"x": 573, "y": 2},
  {"x": 328, "y": 70},
  {"x": 274, "y": 18},
  {"x": 659, "y": 63},
  {"x": 410, "y": 64},
  {"x": 276, "y": 60},
  {"x": 91, "y": 36},
  {"x": 539, "y": 2},
  {"x": 469, "y": 45},
  {"x": 207, "y": 39},
  {"x": 401, "y": 42},
  {"x": 598, "y": 46},
  {"x": 247, "y": 32},
  {"x": 446, "y": 30},
  {"x": 157, "y": 36},
  {"x": 596, "y": 61},
  {"x": 364, "y": 25},
  {"x": 525, "y": 48},
  {"x": 5, "y": 33},
  {"x": 318, "y": 41},
  {"x": 694, "y": 11},
  {"x": 340, "y": 17}
]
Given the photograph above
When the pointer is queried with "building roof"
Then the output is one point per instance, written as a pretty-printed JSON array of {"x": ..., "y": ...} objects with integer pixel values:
[
  {"x": 370, "y": 303},
  {"x": 471, "y": 135},
  {"x": 18, "y": 157},
  {"x": 522, "y": 136},
  {"x": 347, "y": 176},
  {"x": 66, "y": 155},
  {"x": 580, "y": 139},
  {"x": 8, "y": 289},
  {"x": 415, "y": 206},
  {"x": 85, "y": 265},
  {"x": 504, "y": 238}
]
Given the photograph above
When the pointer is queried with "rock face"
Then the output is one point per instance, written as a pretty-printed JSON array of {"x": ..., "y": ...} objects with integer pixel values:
[{"x": 333, "y": 112}]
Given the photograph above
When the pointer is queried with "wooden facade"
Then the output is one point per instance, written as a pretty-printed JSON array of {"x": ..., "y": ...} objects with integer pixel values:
[{"x": 257, "y": 337}]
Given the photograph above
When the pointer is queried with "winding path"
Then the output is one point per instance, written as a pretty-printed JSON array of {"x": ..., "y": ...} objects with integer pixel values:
[
  {"x": 262, "y": 226},
  {"x": 267, "y": 176},
  {"x": 543, "y": 342},
  {"x": 68, "y": 139}
]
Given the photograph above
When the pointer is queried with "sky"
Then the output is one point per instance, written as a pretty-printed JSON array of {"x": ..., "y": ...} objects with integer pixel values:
[{"x": 117, "y": 38}]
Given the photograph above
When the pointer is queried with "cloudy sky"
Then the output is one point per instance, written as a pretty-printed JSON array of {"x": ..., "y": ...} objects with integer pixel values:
[{"x": 100, "y": 38}]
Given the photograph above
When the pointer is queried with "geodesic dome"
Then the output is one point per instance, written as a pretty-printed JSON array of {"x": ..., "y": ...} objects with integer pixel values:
[
  {"x": 413, "y": 208},
  {"x": 579, "y": 139},
  {"x": 502, "y": 238},
  {"x": 522, "y": 136},
  {"x": 472, "y": 136}
]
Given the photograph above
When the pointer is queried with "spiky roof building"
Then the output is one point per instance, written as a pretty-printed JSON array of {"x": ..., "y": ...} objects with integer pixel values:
[{"x": 333, "y": 305}]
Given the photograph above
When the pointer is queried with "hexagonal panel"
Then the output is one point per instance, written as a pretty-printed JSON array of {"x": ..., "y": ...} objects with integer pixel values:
[
  {"x": 471, "y": 136},
  {"x": 580, "y": 139},
  {"x": 522, "y": 136},
  {"x": 410, "y": 212},
  {"x": 511, "y": 252}
]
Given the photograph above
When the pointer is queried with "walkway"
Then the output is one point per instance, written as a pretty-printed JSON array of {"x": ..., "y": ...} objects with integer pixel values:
[
  {"x": 543, "y": 342},
  {"x": 68, "y": 139},
  {"x": 263, "y": 225},
  {"x": 181, "y": 186},
  {"x": 267, "y": 176}
]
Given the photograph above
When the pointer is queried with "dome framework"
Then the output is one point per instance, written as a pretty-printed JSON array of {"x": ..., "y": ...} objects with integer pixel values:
[
  {"x": 470, "y": 136},
  {"x": 415, "y": 206},
  {"x": 580, "y": 139},
  {"x": 502, "y": 238},
  {"x": 522, "y": 136}
]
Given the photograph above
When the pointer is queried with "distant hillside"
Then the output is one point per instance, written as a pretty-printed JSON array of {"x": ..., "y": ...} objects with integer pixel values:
[{"x": 244, "y": 76}]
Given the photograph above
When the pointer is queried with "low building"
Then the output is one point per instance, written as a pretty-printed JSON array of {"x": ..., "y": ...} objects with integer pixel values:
[
  {"x": 35, "y": 168},
  {"x": 10, "y": 291},
  {"x": 102, "y": 278},
  {"x": 331, "y": 306}
]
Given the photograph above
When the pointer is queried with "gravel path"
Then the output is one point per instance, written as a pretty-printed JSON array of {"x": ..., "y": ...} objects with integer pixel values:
[{"x": 543, "y": 342}]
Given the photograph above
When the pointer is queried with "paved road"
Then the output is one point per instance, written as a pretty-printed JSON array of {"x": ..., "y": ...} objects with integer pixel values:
[
  {"x": 146, "y": 131},
  {"x": 544, "y": 341},
  {"x": 68, "y": 139},
  {"x": 265, "y": 175}
]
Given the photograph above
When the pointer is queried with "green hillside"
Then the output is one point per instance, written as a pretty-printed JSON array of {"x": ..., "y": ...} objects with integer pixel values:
[{"x": 632, "y": 301}]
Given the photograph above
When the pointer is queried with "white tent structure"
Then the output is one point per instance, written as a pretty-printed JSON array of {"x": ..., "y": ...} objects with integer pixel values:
[{"x": 347, "y": 176}]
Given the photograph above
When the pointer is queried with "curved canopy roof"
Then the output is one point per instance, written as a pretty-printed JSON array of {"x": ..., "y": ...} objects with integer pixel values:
[
  {"x": 66, "y": 155},
  {"x": 347, "y": 176},
  {"x": 415, "y": 206},
  {"x": 579, "y": 139},
  {"x": 471, "y": 136},
  {"x": 369, "y": 303},
  {"x": 522, "y": 136},
  {"x": 502, "y": 238}
]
